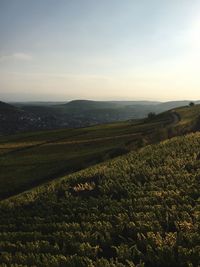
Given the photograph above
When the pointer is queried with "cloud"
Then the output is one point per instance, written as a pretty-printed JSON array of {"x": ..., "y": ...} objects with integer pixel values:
[
  {"x": 22, "y": 56},
  {"x": 16, "y": 56}
]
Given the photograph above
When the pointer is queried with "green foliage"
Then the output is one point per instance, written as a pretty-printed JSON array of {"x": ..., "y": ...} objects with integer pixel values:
[
  {"x": 191, "y": 104},
  {"x": 27, "y": 160},
  {"x": 151, "y": 115},
  {"x": 138, "y": 210}
]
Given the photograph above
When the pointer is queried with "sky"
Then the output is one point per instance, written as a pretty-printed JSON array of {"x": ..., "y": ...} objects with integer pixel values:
[{"x": 57, "y": 50}]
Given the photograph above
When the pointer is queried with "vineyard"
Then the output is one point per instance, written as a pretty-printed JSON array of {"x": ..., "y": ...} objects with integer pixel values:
[
  {"x": 141, "y": 209},
  {"x": 30, "y": 159},
  {"x": 99, "y": 133}
]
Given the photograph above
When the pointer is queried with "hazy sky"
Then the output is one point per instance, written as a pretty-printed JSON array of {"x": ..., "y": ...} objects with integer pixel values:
[{"x": 99, "y": 49}]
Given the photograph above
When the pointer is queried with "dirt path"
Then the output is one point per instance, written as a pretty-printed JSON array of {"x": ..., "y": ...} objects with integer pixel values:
[
  {"x": 176, "y": 117},
  {"x": 58, "y": 141},
  {"x": 92, "y": 140},
  {"x": 72, "y": 142}
]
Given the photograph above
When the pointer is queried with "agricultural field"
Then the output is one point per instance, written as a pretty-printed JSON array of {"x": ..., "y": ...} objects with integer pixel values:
[
  {"x": 190, "y": 116},
  {"x": 140, "y": 209},
  {"x": 30, "y": 159},
  {"x": 112, "y": 195},
  {"x": 99, "y": 133},
  {"x": 27, "y": 160}
]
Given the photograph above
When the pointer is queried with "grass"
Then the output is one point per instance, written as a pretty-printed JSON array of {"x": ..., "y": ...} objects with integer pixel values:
[
  {"x": 188, "y": 115},
  {"x": 141, "y": 209},
  {"x": 30, "y": 159}
]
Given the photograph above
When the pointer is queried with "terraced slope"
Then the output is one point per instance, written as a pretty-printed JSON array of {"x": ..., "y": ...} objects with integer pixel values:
[
  {"x": 27, "y": 160},
  {"x": 189, "y": 118},
  {"x": 142, "y": 209}
]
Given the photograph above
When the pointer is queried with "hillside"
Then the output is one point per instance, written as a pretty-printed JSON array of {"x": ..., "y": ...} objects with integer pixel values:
[
  {"x": 7, "y": 108},
  {"x": 28, "y": 160},
  {"x": 189, "y": 118},
  {"x": 141, "y": 209},
  {"x": 85, "y": 112},
  {"x": 81, "y": 105},
  {"x": 37, "y": 157},
  {"x": 14, "y": 119},
  {"x": 81, "y": 113},
  {"x": 11, "y": 118},
  {"x": 160, "y": 107}
]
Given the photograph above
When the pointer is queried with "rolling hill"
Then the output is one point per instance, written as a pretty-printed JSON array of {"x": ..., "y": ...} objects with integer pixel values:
[
  {"x": 30, "y": 159},
  {"x": 80, "y": 113},
  {"x": 157, "y": 106},
  {"x": 14, "y": 119},
  {"x": 137, "y": 209},
  {"x": 37, "y": 157},
  {"x": 141, "y": 209}
]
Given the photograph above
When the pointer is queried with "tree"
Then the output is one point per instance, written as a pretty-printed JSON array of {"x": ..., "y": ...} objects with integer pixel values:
[
  {"x": 151, "y": 115},
  {"x": 191, "y": 104}
]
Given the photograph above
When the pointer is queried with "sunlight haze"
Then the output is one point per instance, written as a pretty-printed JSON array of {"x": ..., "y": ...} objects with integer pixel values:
[{"x": 102, "y": 50}]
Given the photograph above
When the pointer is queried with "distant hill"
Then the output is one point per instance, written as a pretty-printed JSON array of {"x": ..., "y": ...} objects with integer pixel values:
[
  {"x": 15, "y": 119},
  {"x": 12, "y": 118},
  {"x": 45, "y": 155},
  {"x": 139, "y": 207},
  {"x": 85, "y": 105},
  {"x": 89, "y": 104},
  {"x": 7, "y": 108},
  {"x": 85, "y": 112},
  {"x": 38, "y": 103},
  {"x": 76, "y": 113},
  {"x": 82, "y": 105}
]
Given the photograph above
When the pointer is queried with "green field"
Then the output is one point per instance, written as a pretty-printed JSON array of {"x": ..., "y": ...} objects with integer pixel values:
[
  {"x": 189, "y": 116},
  {"x": 30, "y": 159},
  {"x": 141, "y": 209},
  {"x": 27, "y": 160}
]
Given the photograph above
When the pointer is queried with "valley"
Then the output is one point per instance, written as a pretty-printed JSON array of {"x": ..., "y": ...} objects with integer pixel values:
[
  {"x": 106, "y": 195},
  {"x": 30, "y": 159},
  {"x": 34, "y": 116},
  {"x": 99, "y": 133}
]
